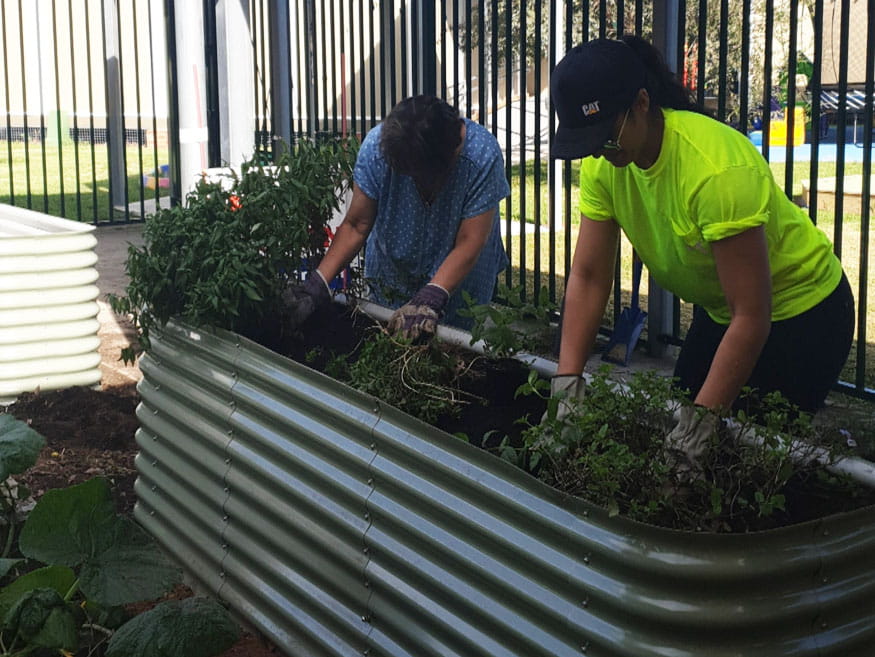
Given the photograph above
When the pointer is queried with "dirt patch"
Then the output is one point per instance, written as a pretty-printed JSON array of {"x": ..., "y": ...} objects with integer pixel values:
[{"x": 90, "y": 433}]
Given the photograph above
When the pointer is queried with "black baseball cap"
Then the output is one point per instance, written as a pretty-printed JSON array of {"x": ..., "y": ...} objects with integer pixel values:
[{"x": 592, "y": 84}]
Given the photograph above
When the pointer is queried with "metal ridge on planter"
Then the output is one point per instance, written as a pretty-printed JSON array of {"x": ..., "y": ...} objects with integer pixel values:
[{"x": 340, "y": 526}]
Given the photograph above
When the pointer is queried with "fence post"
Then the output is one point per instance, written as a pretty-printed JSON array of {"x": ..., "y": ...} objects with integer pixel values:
[
  {"x": 115, "y": 122},
  {"x": 426, "y": 34},
  {"x": 234, "y": 76},
  {"x": 280, "y": 73},
  {"x": 187, "y": 78},
  {"x": 660, "y": 302}
]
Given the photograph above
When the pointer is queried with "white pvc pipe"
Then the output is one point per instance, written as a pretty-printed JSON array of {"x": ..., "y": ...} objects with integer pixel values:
[{"x": 858, "y": 469}]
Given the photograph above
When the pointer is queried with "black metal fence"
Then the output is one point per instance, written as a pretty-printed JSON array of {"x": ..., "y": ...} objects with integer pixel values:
[
  {"x": 338, "y": 66},
  {"x": 84, "y": 128}
]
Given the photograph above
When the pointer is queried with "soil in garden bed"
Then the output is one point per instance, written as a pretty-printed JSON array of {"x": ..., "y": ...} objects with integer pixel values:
[
  {"x": 487, "y": 412},
  {"x": 497, "y": 414}
]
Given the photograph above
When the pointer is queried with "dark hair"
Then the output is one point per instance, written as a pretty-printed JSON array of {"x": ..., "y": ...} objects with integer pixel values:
[
  {"x": 662, "y": 84},
  {"x": 420, "y": 136}
]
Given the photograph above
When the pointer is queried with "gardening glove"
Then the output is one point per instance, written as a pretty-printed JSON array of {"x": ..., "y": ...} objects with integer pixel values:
[
  {"x": 419, "y": 317},
  {"x": 569, "y": 389},
  {"x": 688, "y": 442},
  {"x": 302, "y": 300}
]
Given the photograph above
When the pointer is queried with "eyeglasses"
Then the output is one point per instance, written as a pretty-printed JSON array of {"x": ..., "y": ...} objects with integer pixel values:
[{"x": 614, "y": 144}]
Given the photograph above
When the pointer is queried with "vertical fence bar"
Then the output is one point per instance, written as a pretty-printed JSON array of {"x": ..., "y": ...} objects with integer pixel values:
[
  {"x": 552, "y": 168},
  {"x": 139, "y": 102},
  {"x": 175, "y": 150},
  {"x": 481, "y": 64},
  {"x": 841, "y": 123},
  {"x": 402, "y": 55},
  {"x": 860, "y": 377},
  {"x": 520, "y": 221},
  {"x": 493, "y": 65},
  {"x": 58, "y": 110},
  {"x": 508, "y": 144},
  {"x": 790, "y": 109},
  {"x": 8, "y": 104},
  {"x": 767, "y": 76},
  {"x": 443, "y": 37},
  {"x": 536, "y": 57},
  {"x": 743, "y": 84},
  {"x": 814, "y": 160},
  {"x": 93, "y": 149},
  {"x": 24, "y": 107},
  {"x": 468, "y": 53},
  {"x": 722, "y": 64},
  {"x": 332, "y": 63},
  {"x": 76, "y": 167},
  {"x": 152, "y": 59}
]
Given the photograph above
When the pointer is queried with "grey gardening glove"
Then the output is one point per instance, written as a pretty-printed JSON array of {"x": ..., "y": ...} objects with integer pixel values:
[
  {"x": 302, "y": 300},
  {"x": 418, "y": 317},
  {"x": 569, "y": 390},
  {"x": 689, "y": 441}
]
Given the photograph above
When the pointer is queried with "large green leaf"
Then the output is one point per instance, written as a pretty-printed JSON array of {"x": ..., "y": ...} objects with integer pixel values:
[
  {"x": 59, "y": 578},
  {"x": 19, "y": 446},
  {"x": 194, "y": 627},
  {"x": 77, "y": 526},
  {"x": 70, "y": 525},
  {"x": 132, "y": 568},
  {"x": 42, "y": 618}
]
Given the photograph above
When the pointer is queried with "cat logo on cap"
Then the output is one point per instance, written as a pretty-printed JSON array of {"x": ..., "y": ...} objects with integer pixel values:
[{"x": 590, "y": 108}]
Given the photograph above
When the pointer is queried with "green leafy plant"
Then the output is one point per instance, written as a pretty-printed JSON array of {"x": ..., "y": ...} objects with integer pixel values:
[
  {"x": 78, "y": 563},
  {"x": 511, "y": 324},
  {"x": 225, "y": 256},
  {"x": 611, "y": 450}
]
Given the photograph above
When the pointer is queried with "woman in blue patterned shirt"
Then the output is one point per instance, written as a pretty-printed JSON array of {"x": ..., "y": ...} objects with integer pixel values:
[{"x": 426, "y": 205}]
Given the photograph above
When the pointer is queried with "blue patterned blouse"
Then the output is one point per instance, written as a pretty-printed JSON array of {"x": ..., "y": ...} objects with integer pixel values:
[{"x": 410, "y": 238}]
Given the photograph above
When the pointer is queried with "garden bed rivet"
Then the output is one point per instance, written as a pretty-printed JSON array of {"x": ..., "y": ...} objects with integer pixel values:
[
  {"x": 367, "y": 517},
  {"x": 370, "y": 482},
  {"x": 373, "y": 445},
  {"x": 364, "y": 550},
  {"x": 366, "y": 619}
]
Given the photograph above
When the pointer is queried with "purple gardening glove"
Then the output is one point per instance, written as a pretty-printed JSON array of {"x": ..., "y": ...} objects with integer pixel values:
[
  {"x": 302, "y": 300},
  {"x": 418, "y": 317}
]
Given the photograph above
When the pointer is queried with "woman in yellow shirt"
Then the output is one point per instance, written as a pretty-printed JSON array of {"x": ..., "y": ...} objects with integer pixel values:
[{"x": 773, "y": 309}]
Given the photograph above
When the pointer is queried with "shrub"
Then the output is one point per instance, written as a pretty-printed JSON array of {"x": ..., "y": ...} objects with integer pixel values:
[{"x": 225, "y": 256}]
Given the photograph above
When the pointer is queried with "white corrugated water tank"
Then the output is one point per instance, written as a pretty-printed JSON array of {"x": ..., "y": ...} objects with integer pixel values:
[{"x": 48, "y": 303}]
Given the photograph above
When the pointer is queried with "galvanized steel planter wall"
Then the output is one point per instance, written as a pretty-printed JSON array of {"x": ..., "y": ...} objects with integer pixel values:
[
  {"x": 340, "y": 526},
  {"x": 48, "y": 303}
]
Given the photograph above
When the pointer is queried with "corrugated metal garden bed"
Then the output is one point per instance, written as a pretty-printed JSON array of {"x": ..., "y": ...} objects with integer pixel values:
[{"x": 340, "y": 526}]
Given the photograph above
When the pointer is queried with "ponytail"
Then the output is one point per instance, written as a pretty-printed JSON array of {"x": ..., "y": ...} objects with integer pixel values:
[{"x": 662, "y": 84}]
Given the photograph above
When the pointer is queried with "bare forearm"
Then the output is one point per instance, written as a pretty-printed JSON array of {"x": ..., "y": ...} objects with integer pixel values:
[
  {"x": 584, "y": 307},
  {"x": 455, "y": 267},
  {"x": 733, "y": 362},
  {"x": 347, "y": 242}
]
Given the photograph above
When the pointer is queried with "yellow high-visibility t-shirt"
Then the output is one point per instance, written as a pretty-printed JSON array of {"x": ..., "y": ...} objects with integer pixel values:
[{"x": 710, "y": 183}]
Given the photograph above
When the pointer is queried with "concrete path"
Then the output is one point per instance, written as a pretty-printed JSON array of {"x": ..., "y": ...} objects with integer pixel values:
[{"x": 115, "y": 332}]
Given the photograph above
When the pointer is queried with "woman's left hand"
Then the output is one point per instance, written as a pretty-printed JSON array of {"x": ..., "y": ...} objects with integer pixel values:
[{"x": 418, "y": 317}]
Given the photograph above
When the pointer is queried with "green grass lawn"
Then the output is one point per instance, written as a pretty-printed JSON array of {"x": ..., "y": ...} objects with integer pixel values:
[{"x": 73, "y": 181}]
